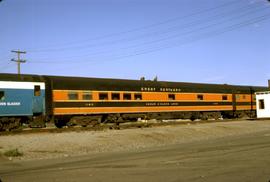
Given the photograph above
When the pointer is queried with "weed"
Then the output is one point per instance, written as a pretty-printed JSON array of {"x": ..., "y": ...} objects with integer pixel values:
[{"x": 13, "y": 153}]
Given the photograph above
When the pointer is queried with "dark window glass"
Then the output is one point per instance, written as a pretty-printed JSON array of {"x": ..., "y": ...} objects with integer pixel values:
[
  {"x": 261, "y": 104},
  {"x": 115, "y": 96},
  {"x": 73, "y": 96},
  {"x": 171, "y": 97},
  {"x": 224, "y": 97},
  {"x": 127, "y": 96},
  {"x": 87, "y": 96},
  {"x": 138, "y": 96},
  {"x": 200, "y": 97},
  {"x": 37, "y": 90},
  {"x": 103, "y": 96},
  {"x": 2, "y": 95}
]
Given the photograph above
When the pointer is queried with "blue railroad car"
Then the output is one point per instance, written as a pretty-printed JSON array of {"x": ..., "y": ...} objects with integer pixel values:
[{"x": 21, "y": 100}]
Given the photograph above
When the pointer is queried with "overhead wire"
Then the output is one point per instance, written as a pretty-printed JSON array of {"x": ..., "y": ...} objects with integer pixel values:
[
  {"x": 206, "y": 10},
  {"x": 217, "y": 32},
  {"x": 5, "y": 66},
  {"x": 198, "y": 38},
  {"x": 156, "y": 33},
  {"x": 224, "y": 15},
  {"x": 198, "y": 29},
  {"x": 4, "y": 57},
  {"x": 186, "y": 33},
  {"x": 203, "y": 36}
]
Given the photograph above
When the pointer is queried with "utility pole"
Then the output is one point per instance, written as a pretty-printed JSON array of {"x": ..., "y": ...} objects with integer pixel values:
[{"x": 18, "y": 61}]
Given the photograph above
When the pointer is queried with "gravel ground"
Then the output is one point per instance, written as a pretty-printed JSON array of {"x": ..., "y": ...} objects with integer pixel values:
[{"x": 59, "y": 145}]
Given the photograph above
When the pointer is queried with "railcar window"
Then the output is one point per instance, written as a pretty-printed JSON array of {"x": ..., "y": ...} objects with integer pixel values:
[
  {"x": 2, "y": 95},
  {"x": 224, "y": 97},
  {"x": 37, "y": 90},
  {"x": 261, "y": 104},
  {"x": 199, "y": 97},
  {"x": 115, "y": 96},
  {"x": 103, "y": 96},
  {"x": 138, "y": 96},
  {"x": 171, "y": 97},
  {"x": 87, "y": 96},
  {"x": 127, "y": 96},
  {"x": 73, "y": 96}
]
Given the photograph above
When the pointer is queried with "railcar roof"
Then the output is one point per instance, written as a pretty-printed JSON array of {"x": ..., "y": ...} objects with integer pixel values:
[
  {"x": 62, "y": 82},
  {"x": 24, "y": 78},
  {"x": 83, "y": 83}
]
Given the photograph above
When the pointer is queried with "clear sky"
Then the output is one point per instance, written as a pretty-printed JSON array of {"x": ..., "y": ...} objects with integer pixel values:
[{"x": 205, "y": 41}]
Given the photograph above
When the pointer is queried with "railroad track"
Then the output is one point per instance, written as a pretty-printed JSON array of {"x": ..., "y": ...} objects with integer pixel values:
[{"x": 127, "y": 125}]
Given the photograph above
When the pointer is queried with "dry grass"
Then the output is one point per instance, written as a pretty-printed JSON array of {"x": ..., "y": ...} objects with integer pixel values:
[{"x": 13, "y": 153}]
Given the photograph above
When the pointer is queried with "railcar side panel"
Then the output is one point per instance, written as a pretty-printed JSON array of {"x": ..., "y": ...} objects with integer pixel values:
[
  {"x": 106, "y": 110},
  {"x": 149, "y": 102},
  {"x": 22, "y": 98}
]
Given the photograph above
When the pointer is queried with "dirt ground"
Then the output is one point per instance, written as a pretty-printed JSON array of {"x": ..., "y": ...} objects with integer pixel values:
[
  {"x": 62, "y": 145},
  {"x": 224, "y": 151}
]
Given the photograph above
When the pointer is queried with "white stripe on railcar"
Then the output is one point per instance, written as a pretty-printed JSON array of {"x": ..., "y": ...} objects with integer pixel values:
[{"x": 20, "y": 85}]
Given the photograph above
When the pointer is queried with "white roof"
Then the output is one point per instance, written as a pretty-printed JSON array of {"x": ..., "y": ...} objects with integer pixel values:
[{"x": 20, "y": 85}]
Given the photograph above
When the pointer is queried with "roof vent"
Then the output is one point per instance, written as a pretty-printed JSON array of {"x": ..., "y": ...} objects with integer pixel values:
[{"x": 142, "y": 78}]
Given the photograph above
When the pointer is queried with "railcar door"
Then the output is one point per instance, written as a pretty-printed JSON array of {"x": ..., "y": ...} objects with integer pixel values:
[
  {"x": 38, "y": 100},
  {"x": 234, "y": 102},
  {"x": 252, "y": 94}
]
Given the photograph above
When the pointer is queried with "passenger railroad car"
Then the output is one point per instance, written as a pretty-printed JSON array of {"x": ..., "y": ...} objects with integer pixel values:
[{"x": 88, "y": 101}]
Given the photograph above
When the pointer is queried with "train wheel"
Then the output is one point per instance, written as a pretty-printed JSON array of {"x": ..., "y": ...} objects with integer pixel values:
[
  {"x": 37, "y": 122},
  {"x": 194, "y": 116},
  {"x": 59, "y": 123},
  {"x": 7, "y": 124},
  {"x": 204, "y": 116}
]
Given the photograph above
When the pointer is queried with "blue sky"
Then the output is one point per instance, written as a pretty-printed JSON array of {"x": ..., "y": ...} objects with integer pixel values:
[{"x": 205, "y": 41}]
